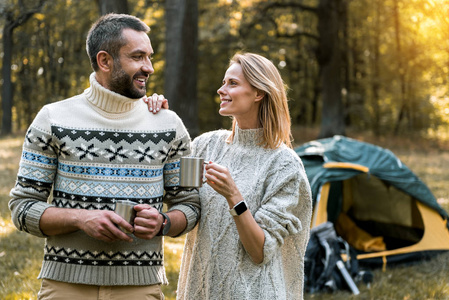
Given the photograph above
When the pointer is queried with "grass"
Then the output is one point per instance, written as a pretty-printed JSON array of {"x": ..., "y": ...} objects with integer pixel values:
[{"x": 21, "y": 254}]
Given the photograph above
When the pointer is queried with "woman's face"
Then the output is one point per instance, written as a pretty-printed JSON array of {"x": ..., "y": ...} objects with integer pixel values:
[{"x": 239, "y": 99}]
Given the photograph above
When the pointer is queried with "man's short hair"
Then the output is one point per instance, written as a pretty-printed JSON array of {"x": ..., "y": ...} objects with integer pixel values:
[{"x": 106, "y": 35}]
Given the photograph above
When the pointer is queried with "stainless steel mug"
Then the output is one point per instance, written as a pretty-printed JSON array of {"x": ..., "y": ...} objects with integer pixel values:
[
  {"x": 192, "y": 169},
  {"x": 125, "y": 209}
]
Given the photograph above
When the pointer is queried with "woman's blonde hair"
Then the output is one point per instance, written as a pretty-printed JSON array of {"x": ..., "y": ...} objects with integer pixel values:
[{"x": 274, "y": 116}]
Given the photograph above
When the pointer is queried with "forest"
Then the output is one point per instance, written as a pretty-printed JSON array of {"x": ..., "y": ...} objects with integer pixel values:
[
  {"x": 375, "y": 70},
  {"x": 378, "y": 66}
]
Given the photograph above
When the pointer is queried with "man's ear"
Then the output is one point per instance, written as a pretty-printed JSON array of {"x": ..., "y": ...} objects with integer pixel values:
[
  {"x": 105, "y": 61},
  {"x": 259, "y": 95}
]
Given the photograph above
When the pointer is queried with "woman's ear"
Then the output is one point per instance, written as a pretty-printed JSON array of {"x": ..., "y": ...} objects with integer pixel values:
[
  {"x": 259, "y": 95},
  {"x": 104, "y": 61}
]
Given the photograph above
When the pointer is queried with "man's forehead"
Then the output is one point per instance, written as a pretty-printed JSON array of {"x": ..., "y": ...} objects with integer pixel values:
[{"x": 137, "y": 42}]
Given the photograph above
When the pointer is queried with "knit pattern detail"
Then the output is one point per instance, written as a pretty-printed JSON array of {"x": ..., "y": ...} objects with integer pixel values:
[
  {"x": 215, "y": 264},
  {"x": 88, "y": 152}
]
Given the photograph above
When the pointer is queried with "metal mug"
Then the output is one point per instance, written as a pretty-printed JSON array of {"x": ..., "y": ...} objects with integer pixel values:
[
  {"x": 125, "y": 209},
  {"x": 192, "y": 169}
]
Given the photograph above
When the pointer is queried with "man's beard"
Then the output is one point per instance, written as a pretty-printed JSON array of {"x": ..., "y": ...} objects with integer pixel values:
[{"x": 123, "y": 84}]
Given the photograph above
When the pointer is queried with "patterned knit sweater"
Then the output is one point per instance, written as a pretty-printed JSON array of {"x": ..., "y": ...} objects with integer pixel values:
[
  {"x": 93, "y": 149},
  {"x": 215, "y": 264}
]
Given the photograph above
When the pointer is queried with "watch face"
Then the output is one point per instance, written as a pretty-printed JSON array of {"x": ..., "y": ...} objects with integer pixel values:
[{"x": 240, "y": 208}]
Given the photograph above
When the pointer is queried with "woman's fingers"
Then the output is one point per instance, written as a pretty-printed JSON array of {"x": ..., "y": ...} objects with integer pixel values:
[{"x": 155, "y": 102}]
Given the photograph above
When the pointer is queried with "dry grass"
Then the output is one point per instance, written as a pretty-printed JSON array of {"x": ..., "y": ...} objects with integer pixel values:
[{"x": 21, "y": 254}]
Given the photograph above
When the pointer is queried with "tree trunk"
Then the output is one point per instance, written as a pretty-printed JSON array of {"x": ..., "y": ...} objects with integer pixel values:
[
  {"x": 329, "y": 59},
  {"x": 375, "y": 85},
  {"x": 113, "y": 6},
  {"x": 12, "y": 22},
  {"x": 347, "y": 66},
  {"x": 7, "y": 84},
  {"x": 403, "y": 107},
  {"x": 181, "y": 61}
]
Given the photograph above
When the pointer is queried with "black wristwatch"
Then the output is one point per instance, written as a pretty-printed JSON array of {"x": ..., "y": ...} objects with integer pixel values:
[
  {"x": 238, "y": 209},
  {"x": 165, "y": 225}
]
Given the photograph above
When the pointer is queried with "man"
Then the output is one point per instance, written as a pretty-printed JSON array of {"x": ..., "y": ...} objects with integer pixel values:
[{"x": 97, "y": 148}]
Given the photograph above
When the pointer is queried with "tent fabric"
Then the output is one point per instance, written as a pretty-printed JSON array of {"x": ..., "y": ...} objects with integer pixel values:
[{"x": 319, "y": 155}]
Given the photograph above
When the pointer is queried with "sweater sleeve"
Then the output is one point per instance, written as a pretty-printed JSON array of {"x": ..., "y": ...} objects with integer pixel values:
[
  {"x": 286, "y": 205},
  {"x": 35, "y": 177},
  {"x": 176, "y": 197}
]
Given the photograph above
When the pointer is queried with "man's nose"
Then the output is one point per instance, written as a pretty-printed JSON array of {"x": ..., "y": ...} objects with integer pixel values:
[{"x": 148, "y": 66}]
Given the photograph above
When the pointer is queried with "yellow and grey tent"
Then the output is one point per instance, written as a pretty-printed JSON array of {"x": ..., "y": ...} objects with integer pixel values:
[{"x": 377, "y": 204}]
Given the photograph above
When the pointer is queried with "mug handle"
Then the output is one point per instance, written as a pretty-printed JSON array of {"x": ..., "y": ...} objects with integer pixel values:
[{"x": 205, "y": 180}]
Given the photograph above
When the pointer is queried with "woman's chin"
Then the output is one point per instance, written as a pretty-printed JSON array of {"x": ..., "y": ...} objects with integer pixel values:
[{"x": 223, "y": 112}]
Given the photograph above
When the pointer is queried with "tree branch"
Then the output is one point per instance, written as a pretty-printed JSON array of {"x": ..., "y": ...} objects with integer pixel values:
[
  {"x": 273, "y": 5},
  {"x": 297, "y": 34},
  {"x": 291, "y": 35},
  {"x": 265, "y": 7},
  {"x": 23, "y": 17}
]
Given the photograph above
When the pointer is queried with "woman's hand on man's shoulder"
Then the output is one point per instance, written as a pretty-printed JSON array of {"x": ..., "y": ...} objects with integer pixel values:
[{"x": 155, "y": 102}]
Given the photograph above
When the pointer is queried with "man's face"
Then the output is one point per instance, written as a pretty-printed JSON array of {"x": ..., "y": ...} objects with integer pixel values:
[{"x": 133, "y": 66}]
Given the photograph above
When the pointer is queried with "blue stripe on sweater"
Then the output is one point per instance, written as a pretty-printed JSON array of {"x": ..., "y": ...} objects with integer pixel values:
[{"x": 33, "y": 157}]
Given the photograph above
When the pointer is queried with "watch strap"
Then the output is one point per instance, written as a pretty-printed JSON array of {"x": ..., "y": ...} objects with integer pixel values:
[{"x": 165, "y": 225}]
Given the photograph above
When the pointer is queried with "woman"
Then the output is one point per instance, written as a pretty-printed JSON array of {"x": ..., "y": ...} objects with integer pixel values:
[{"x": 256, "y": 206}]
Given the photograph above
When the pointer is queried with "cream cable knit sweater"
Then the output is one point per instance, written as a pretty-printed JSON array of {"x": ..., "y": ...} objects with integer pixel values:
[{"x": 274, "y": 184}]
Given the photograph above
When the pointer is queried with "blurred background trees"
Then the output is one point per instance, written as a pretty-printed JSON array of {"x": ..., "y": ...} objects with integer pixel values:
[{"x": 372, "y": 65}]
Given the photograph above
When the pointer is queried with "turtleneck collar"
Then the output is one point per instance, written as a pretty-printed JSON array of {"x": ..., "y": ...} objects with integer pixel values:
[
  {"x": 107, "y": 100},
  {"x": 248, "y": 137}
]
